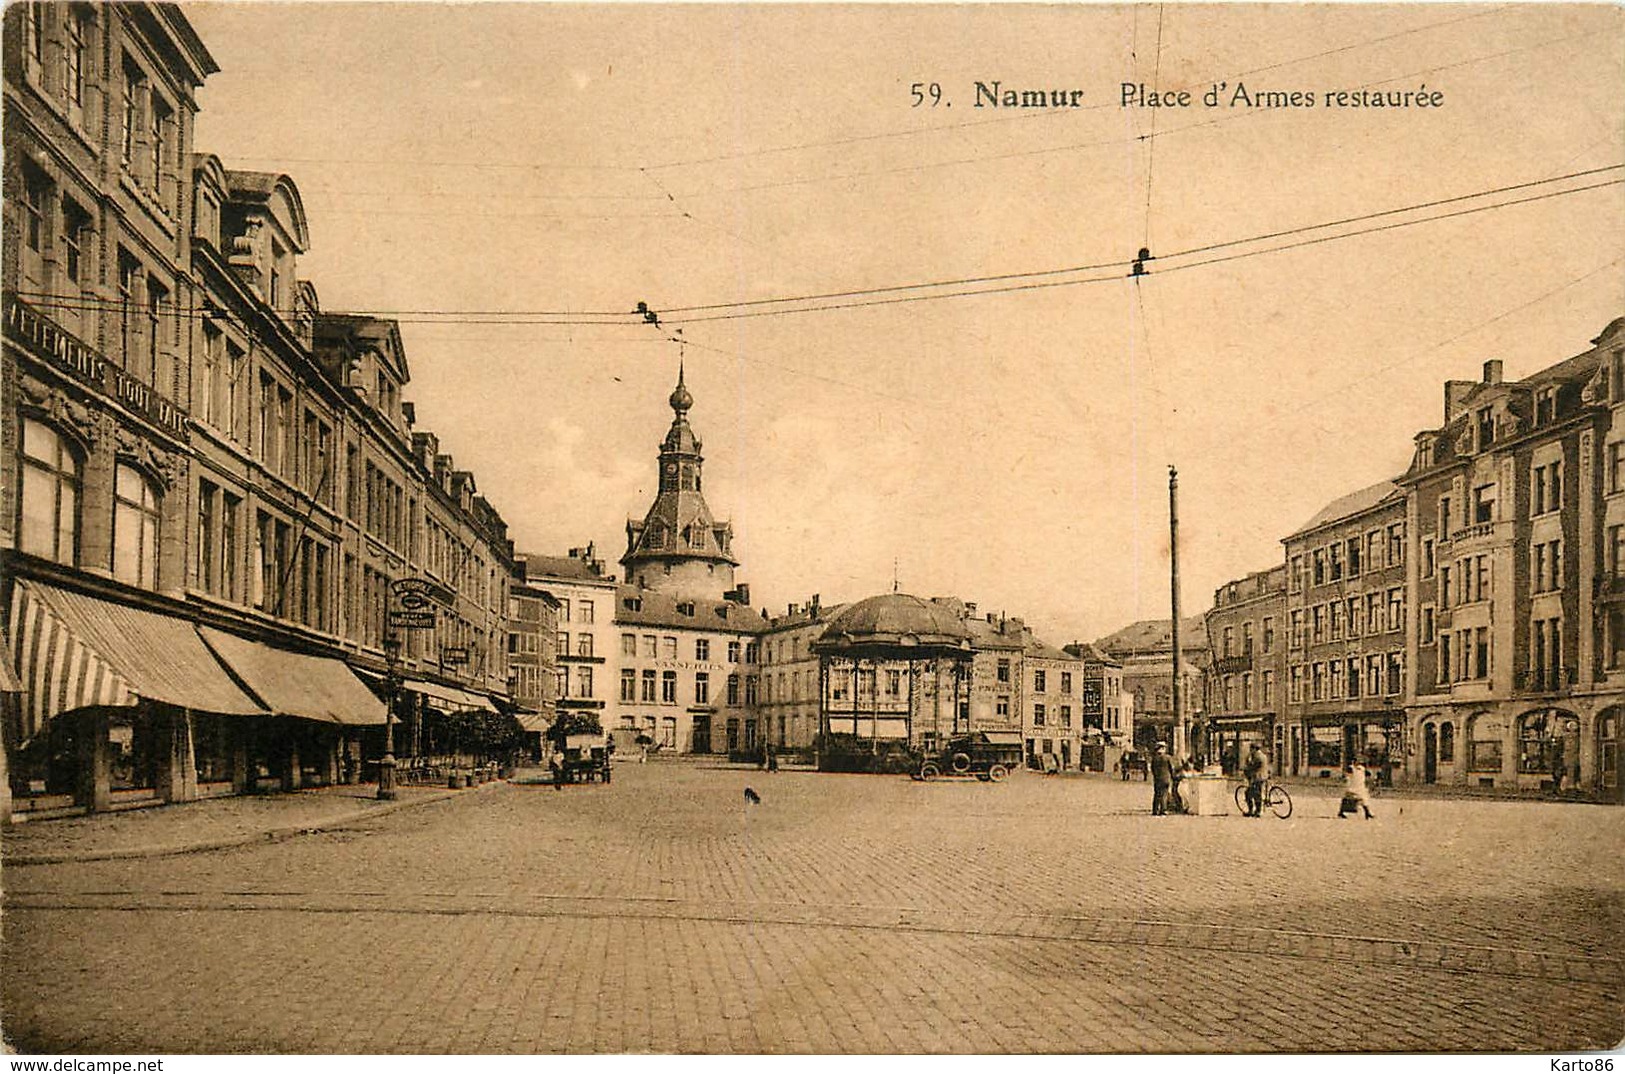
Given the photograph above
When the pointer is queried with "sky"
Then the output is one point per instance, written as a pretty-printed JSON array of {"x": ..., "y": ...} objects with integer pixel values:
[{"x": 1009, "y": 448}]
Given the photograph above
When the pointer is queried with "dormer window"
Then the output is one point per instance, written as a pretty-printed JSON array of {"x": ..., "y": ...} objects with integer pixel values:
[
  {"x": 1486, "y": 428},
  {"x": 1546, "y": 405},
  {"x": 274, "y": 294},
  {"x": 685, "y": 608}
]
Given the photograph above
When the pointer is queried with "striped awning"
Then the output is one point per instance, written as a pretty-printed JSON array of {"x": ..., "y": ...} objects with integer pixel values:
[
  {"x": 71, "y": 651},
  {"x": 533, "y": 721},
  {"x": 298, "y": 684}
]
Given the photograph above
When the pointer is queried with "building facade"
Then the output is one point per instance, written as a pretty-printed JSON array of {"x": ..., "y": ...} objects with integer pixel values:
[
  {"x": 533, "y": 619},
  {"x": 1246, "y": 633},
  {"x": 788, "y": 696},
  {"x": 1107, "y": 707},
  {"x": 687, "y": 673},
  {"x": 687, "y": 662},
  {"x": 203, "y": 471},
  {"x": 1052, "y": 729},
  {"x": 1346, "y": 607},
  {"x": 582, "y": 643},
  {"x": 1146, "y": 652},
  {"x": 1517, "y": 506}
]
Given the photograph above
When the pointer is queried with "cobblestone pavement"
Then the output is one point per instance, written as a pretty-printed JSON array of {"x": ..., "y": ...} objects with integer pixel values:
[
  {"x": 846, "y": 914},
  {"x": 152, "y": 831}
]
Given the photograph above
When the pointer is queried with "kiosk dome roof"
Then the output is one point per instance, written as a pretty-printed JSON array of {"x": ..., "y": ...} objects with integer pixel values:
[{"x": 895, "y": 619}]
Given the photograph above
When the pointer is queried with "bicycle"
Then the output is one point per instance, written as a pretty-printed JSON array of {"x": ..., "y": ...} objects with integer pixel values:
[{"x": 1276, "y": 799}]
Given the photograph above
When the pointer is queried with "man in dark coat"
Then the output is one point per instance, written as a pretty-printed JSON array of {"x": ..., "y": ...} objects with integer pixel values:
[
  {"x": 1257, "y": 771},
  {"x": 1162, "y": 780}
]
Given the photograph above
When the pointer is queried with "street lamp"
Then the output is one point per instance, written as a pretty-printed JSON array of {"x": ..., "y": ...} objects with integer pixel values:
[{"x": 392, "y": 684}]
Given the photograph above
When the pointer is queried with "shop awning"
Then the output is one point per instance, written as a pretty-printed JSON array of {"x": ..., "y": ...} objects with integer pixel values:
[
  {"x": 297, "y": 684},
  {"x": 457, "y": 700},
  {"x": 72, "y": 650},
  {"x": 533, "y": 721}
]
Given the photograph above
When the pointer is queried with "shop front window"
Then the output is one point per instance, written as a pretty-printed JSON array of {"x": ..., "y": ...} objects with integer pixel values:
[
  {"x": 1325, "y": 747},
  {"x": 1483, "y": 745}
]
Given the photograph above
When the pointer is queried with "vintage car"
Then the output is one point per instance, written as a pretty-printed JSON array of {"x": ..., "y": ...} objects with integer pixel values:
[
  {"x": 987, "y": 755},
  {"x": 583, "y": 759}
]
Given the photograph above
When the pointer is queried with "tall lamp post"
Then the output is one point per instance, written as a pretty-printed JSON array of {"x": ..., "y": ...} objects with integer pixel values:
[{"x": 392, "y": 685}]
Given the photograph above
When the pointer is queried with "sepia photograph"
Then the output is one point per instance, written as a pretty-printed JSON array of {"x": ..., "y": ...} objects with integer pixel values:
[{"x": 781, "y": 529}]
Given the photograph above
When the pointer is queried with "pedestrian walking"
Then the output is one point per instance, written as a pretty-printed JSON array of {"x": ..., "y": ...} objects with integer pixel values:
[
  {"x": 1257, "y": 771},
  {"x": 1355, "y": 795},
  {"x": 1162, "y": 780},
  {"x": 1558, "y": 767},
  {"x": 772, "y": 758}
]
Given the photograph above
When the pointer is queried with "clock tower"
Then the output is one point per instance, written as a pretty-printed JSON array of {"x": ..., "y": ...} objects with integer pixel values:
[{"x": 679, "y": 548}]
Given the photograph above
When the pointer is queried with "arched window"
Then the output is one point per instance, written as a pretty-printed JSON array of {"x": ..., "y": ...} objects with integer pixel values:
[
  {"x": 1447, "y": 743},
  {"x": 135, "y": 527},
  {"x": 52, "y": 471}
]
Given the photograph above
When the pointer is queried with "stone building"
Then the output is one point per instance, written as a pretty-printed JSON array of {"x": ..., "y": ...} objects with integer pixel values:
[
  {"x": 1107, "y": 708},
  {"x": 1145, "y": 649},
  {"x": 210, "y": 485},
  {"x": 1052, "y": 724},
  {"x": 687, "y": 673},
  {"x": 1516, "y": 506},
  {"x": 582, "y": 643},
  {"x": 533, "y": 619},
  {"x": 788, "y": 668},
  {"x": 1346, "y": 606},
  {"x": 1246, "y": 633},
  {"x": 686, "y": 659}
]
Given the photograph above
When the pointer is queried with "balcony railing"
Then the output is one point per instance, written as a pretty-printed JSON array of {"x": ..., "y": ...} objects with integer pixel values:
[
  {"x": 1467, "y": 533},
  {"x": 61, "y": 349},
  {"x": 1547, "y": 680}
]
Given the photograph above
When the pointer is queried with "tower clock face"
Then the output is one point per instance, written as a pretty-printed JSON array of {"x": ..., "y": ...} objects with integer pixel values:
[{"x": 671, "y": 467}]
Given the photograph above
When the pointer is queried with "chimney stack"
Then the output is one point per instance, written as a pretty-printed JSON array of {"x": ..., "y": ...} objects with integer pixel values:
[{"x": 1492, "y": 371}]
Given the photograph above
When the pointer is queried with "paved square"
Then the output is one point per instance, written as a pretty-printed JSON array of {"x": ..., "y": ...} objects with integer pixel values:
[{"x": 845, "y": 913}]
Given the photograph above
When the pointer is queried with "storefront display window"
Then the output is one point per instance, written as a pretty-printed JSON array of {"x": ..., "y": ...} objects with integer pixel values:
[
  {"x": 1484, "y": 745},
  {"x": 212, "y": 748},
  {"x": 1325, "y": 747},
  {"x": 1535, "y": 742}
]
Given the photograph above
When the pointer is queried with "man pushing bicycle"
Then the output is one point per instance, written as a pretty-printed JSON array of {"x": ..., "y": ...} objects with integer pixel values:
[{"x": 1257, "y": 771}]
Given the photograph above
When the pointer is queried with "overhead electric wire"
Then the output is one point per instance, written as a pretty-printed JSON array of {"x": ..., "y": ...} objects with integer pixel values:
[
  {"x": 1390, "y": 227},
  {"x": 1392, "y": 212},
  {"x": 949, "y": 288}
]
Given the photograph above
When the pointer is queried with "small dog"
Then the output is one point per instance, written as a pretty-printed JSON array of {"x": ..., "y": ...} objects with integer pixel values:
[{"x": 752, "y": 798}]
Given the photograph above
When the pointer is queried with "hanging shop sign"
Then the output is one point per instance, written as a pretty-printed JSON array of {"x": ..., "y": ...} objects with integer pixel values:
[{"x": 413, "y": 602}]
